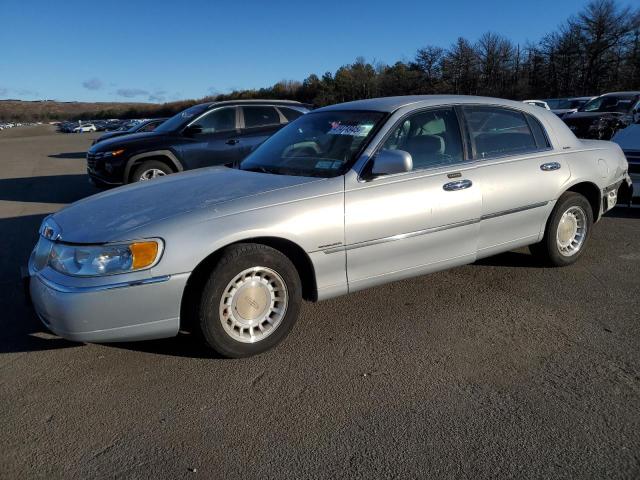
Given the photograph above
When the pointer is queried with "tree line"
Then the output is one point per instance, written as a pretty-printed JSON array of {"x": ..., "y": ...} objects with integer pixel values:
[{"x": 593, "y": 52}]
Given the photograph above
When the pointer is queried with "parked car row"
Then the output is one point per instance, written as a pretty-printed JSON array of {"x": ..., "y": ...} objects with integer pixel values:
[
  {"x": 343, "y": 198},
  {"x": 97, "y": 125},
  {"x": 595, "y": 117},
  {"x": 208, "y": 134},
  {"x": 127, "y": 129},
  {"x": 7, "y": 125}
]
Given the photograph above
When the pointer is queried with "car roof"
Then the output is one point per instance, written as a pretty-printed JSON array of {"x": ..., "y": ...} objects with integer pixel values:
[
  {"x": 391, "y": 104},
  {"x": 610, "y": 94},
  {"x": 291, "y": 103}
]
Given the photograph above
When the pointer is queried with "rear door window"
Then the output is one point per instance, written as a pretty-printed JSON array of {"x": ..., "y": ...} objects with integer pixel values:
[
  {"x": 497, "y": 132},
  {"x": 260, "y": 116}
]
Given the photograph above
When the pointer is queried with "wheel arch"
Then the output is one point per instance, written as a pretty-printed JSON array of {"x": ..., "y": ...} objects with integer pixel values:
[
  {"x": 166, "y": 156},
  {"x": 294, "y": 252},
  {"x": 592, "y": 193}
]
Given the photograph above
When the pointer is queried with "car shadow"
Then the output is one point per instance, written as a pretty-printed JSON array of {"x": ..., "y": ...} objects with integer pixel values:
[
  {"x": 515, "y": 259},
  {"x": 624, "y": 212},
  {"x": 69, "y": 155},
  {"x": 183, "y": 345},
  {"x": 47, "y": 189},
  {"x": 21, "y": 329}
]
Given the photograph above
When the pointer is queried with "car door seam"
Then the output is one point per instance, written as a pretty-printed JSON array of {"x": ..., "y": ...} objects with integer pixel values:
[{"x": 417, "y": 233}]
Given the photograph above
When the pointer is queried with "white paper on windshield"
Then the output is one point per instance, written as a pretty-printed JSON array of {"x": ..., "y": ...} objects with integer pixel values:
[{"x": 350, "y": 130}]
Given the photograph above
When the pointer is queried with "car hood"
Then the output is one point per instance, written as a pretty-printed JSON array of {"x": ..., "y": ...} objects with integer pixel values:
[
  {"x": 115, "y": 214},
  {"x": 123, "y": 139}
]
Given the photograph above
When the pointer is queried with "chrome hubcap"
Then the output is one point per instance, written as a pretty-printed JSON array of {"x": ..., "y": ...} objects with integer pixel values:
[
  {"x": 253, "y": 304},
  {"x": 572, "y": 231},
  {"x": 151, "y": 173}
]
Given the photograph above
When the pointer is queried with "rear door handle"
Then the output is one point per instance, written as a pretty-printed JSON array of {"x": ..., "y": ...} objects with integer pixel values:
[
  {"x": 547, "y": 167},
  {"x": 457, "y": 185},
  {"x": 232, "y": 141}
]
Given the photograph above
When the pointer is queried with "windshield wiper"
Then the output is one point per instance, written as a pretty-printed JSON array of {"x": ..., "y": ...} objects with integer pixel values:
[{"x": 262, "y": 169}]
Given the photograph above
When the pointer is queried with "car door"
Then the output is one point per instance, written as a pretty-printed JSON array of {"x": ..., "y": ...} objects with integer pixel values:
[
  {"x": 424, "y": 220},
  {"x": 519, "y": 172},
  {"x": 257, "y": 123},
  {"x": 211, "y": 139}
]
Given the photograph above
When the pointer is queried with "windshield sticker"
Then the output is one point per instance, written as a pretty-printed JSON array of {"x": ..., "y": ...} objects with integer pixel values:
[
  {"x": 186, "y": 114},
  {"x": 338, "y": 128}
]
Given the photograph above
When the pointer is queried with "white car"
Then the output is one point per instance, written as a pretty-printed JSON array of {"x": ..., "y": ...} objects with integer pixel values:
[
  {"x": 89, "y": 127},
  {"x": 537, "y": 103}
]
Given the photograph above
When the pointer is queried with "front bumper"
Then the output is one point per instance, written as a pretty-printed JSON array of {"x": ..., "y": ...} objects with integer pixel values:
[{"x": 114, "y": 312}]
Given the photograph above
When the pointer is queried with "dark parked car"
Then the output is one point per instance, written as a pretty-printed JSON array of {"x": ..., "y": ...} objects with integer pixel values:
[
  {"x": 146, "y": 126},
  {"x": 208, "y": 134},
  {"x": 603, "y": 116}
]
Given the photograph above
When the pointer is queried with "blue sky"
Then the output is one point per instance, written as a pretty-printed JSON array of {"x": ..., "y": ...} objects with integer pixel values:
[{"x": 101, "y": 50}]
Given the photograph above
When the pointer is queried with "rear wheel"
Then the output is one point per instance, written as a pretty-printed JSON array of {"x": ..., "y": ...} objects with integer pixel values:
[
  {"x": 250, "y": 302},
  {"x": 567, "y": 231},
  {"x": 149, "y": 170}
]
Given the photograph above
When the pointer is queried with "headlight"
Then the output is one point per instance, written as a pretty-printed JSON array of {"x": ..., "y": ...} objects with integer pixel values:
[
  {"x": 96, "y": 260},
  {"x": 114, "y": 153}
]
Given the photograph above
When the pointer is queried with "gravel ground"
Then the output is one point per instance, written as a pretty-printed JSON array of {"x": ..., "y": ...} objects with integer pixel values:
[{"x": 492, "y": 370}]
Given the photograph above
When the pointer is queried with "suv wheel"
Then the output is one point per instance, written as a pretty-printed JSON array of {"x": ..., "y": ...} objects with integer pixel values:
[
  {"x": 567, "y": 231},
  {"x": 250, "y": 302},
  {"x": 149, "y": 170}
]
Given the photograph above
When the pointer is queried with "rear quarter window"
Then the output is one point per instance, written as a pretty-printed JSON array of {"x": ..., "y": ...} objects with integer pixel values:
[{"x": 290, "y": 114}]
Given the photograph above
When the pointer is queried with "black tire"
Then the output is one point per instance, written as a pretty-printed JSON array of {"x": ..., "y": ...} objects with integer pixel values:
[
  {"x": 548, "y": 250},
  {"x": 149, "y": 165},
  {"x": 234, "y": 260}
]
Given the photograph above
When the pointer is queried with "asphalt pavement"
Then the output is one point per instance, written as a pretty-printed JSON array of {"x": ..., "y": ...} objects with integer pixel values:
[{"x": 500, "y": 369}]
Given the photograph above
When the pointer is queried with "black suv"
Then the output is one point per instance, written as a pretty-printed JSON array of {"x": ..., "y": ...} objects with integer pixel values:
[{"x": 208, "y": 134}]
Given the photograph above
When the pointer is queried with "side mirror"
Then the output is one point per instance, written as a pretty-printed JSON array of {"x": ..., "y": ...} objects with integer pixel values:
[
  {"x": 192, "y": 130},
  {"x": 388, "y": 162}
]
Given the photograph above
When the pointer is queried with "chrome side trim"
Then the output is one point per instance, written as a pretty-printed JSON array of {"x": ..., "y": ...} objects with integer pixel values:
[
  {"x": 402, "y": 236},
  {"x": 98, "y": 288},
  {"x": 513, "y": 210}
]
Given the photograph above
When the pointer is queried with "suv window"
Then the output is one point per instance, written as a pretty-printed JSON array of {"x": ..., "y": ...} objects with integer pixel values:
[
  {"x": 218, "y": 121},
  {"x": 260, "y": 116},
  {"x": 431, "y": 137},
  {"x": 498, "y": 131},
  {"x": 290, "y": 114}
]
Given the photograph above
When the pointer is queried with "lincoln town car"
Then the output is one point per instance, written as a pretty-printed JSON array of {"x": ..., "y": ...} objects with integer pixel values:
[{"x": 347, "y": 197}]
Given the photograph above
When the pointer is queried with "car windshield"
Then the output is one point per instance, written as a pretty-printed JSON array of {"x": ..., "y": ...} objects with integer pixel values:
[
  {"x": 181, "y": 119},
  {"x": 610, "y": 103},
  {"x": 321, "y": 144}
]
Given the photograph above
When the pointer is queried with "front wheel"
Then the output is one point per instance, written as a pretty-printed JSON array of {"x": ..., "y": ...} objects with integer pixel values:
[
  {"x": 567, "y": 231},
  {"x": 250, "y": 302},
  {"x": 149, "y": 170}
]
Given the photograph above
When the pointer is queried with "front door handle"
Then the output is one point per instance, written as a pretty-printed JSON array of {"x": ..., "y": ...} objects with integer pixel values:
[
  {"x": 457, "y": 185},
  {"x": 547, "y": 167},
  {"x": 232, "y": 141}
]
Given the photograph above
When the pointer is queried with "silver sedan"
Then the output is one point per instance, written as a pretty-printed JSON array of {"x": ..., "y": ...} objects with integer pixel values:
[{"x": 347, "y": 197}]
